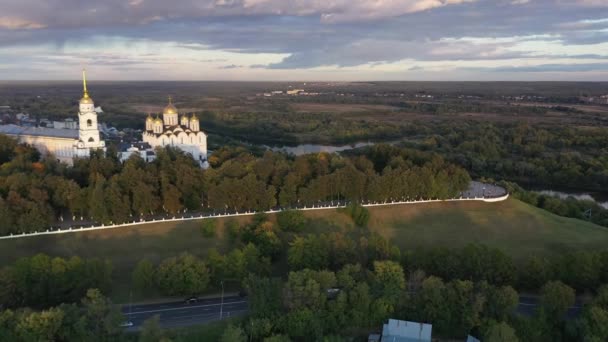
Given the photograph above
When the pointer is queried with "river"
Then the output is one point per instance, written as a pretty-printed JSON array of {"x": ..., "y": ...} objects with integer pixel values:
[
  {"x": 599, "y": 198},
  {"x": 311, "y": 148}
]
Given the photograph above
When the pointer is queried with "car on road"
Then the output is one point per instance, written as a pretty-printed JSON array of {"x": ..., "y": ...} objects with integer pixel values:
[
  {"x": 126, "y": 324},
  {"x": 191, "y": 300}
]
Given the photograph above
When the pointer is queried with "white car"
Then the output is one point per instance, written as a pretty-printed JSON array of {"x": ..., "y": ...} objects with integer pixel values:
[{"x": 126, "y": 324}]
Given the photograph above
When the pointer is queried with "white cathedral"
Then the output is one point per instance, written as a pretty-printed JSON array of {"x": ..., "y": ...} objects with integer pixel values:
[
  {"x": 67, "y": 144},
  {"x": 183, "y": 133}
]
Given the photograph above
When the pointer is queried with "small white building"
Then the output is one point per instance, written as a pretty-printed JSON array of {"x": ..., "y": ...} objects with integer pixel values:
[
  {"x": 142, "y": 149},
  {"x": 405, "y": 331}
]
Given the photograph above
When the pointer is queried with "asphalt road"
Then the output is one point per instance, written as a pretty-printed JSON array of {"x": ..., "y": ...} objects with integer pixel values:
[
  {"x": 528, "y": 305},
  {"x": 178, "y": 314}
]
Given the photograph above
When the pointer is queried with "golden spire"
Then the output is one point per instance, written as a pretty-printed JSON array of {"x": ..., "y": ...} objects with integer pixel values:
[
  {"x": 84, "y": 83},
  {"x": 170, "y": 99}
]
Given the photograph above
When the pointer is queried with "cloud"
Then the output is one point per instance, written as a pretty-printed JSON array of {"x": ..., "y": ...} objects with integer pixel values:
[
  {"x": 232, "y": 66},
  {"x": 550, "y": 68},
  {"x": 270, "y": 37},
  {"x": 76, "y": 13},
  {"x": 15, "y": 23}
]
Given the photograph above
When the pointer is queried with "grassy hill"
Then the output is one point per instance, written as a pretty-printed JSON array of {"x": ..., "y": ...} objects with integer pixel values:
[{"x": 513, "y": 226}]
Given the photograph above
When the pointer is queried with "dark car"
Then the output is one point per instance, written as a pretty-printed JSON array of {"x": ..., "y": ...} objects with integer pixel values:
[{"x": 191, "y": 300}]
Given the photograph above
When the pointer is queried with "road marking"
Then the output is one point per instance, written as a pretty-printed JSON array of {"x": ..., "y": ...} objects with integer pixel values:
[{"x": 182, "y": 308}]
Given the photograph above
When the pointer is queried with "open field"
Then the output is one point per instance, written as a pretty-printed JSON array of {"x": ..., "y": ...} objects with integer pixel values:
[{"x": 339, "y": 108}]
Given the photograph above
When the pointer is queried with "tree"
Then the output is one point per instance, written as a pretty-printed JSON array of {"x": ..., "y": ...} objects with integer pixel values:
[
  {"x": 303, "y": 324},
  {"x": 390, "y": 279},
  {"x": 535, "y": 273},
  {"x": 143, "y": 276},
  {"x": 8, "y": 289},
  {"x": 40, "y": 326},
  {"x": 359, "y": 214},
  {"x": 119, "y": 204},
  {"x": 262, "y": 234},
  {"x": 556, "y": 297},
  {"x": 233, "y": 333},
  {"x": 151, "y": 330},
  {"x": 97, "y": 204},
  {"x": 500, "y": 332},
  {"x": 277, "y": 338},
  {"x": 501, "y": 302},
  {"x": 594, "y": 324},
  {"x": 307, "y": 288},
  {"x": 431, "y": 300},
  {"x": 262, "y": 296},
  {"x": 183, "y": 275},
  {"x": 580, "y": 270},
  {"x": 208, "y": 228},
  {"x": 101, "y": 318},
  {"x": 309, "y": 252},
  {"x": 291, "y": 220}
]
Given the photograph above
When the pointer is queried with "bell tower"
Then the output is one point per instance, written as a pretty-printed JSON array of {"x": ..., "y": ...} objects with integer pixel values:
[{"x": 88, "y": 133}]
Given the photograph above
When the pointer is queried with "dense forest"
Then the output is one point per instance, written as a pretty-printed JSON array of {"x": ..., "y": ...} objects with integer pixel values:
[
  {"x": 560, "y": 157},
  {"x": 35, "y": 192}
]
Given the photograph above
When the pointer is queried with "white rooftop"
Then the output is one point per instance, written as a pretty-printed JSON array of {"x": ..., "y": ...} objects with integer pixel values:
[
  {"x": 39, "y": 131},
  {"x": 405, "y": 331}
]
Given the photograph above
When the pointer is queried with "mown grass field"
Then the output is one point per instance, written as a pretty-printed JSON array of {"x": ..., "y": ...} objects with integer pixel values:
[{"x": 513, "y": 226}]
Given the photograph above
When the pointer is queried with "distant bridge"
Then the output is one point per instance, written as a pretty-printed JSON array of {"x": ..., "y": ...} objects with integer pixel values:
[{"x": 477, "y": 192}]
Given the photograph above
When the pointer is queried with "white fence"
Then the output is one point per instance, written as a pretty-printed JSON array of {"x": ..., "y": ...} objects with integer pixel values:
[{"x": 247, "y": 213}]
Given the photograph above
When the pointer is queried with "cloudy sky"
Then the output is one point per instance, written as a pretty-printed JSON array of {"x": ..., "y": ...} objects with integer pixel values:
[{"x": 305, "y": 39}]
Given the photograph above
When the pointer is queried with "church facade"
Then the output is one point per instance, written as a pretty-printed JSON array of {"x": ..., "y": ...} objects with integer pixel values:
[
  {"x": 182, "y": 133},
  {"x": 64, "y": 144}
]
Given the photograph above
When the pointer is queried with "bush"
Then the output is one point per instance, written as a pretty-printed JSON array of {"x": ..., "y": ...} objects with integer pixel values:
[
  {"x": 359, "y": 214},
  {"x": 291, "y": 220},
  {"x": 234, "y": 229},
  {"x": 208, "y": 228},
  {"x": 183, "y": 275}
]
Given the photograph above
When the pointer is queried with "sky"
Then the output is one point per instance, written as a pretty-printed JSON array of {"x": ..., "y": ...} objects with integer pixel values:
[{"x": 307, "y": 40}]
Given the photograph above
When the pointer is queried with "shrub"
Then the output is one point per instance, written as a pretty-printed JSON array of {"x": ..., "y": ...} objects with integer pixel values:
[
  {"x": 208, "y": 228},
  {"x": 359, "y": 214},
  {"x": 291, "y": 220}
]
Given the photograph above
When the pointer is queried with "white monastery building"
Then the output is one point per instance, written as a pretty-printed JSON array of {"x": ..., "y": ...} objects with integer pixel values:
[{"x": 65, "y": 144}]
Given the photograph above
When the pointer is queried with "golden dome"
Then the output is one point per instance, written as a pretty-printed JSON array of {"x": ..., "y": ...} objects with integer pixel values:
[
  {"x": 149, "y": 118},
  {"x": 170, "y": 109},
  {"x": 194, "y": 118},
  {"x": 86, "y": 99},
  {"x": 158, "y": 120}
]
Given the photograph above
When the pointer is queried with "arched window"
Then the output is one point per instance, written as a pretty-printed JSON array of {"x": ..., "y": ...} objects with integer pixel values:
[
  {"x": 89, "y": 123},
  {"x": 91, "y": 138}
]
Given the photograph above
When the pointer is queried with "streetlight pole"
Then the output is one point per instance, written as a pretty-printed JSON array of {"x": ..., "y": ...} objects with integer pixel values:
[{"x": 222, "y": 301}]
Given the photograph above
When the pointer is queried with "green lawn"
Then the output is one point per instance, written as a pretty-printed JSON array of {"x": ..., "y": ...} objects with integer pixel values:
[
  {"x": 517, "y": 228},
  {"x": 513, "y": 226}
]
